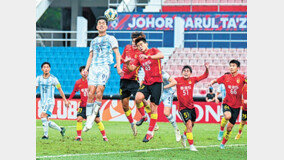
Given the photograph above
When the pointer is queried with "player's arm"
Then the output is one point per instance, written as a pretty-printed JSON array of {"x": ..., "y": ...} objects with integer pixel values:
[
  {"x": 129, "y": 66},
  {"x": 118, "y": 60},
  {"x": 205, "y": 74},
  {"x": 58, "y": 86},
  {"x": 216, "y": 97},
  {"x": 73, "y": 92},
  {"x": 159, "y": 55},
  {"x": 89, "y": 61},
  {"x": 172, "y": 83}
]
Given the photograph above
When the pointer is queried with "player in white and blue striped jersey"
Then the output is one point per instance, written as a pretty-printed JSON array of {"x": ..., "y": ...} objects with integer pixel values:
[
  {"x": 47, "y": 83},
  {"x": 98, "y": 65}
]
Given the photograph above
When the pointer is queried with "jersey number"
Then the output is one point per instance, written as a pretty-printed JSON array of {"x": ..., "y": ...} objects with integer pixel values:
[{"x": 185, "y": 92}]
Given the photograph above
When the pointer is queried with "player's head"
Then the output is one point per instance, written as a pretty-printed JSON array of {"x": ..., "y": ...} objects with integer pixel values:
[
  {"x": 84, "y": 75},
  {"x": 135, "y": 35},
  {"x": 102, "y": 24},
  {"x": 234, "y": 66},
  {"x": 45, "y": 67},
  {"x": 141, "y": 44},
  {"x": 186, "y": 71}
]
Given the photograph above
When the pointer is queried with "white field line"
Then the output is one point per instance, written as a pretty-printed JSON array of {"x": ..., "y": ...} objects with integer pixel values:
[
  {"x": 37, "y": 127},
  {"x": 135, "y": 151}
]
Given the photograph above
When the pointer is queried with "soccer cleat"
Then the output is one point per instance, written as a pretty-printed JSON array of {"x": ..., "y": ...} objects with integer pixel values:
[
  {"x": 147, "y": 138},
  {"x": 134, "y": 129},
  {"x": 222, "y": 146},
  {"x": 44, "y": 137},
  {"x": 177, "y": 133},
  {"x": 220, "y": 135},
  {"x": 105, "y": 139},
  {"x": 140, "y": 122},
  {"x": 62, "y": 132},
  {"x": 192, "y": 148},
  {"x": 156, "y": 127},
  {"x": 78, "y": 139},
  {"x": 183, "y": 140},
  {"x": 238, "y": 136}
]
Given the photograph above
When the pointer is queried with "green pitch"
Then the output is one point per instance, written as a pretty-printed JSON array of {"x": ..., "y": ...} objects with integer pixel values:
[{"x": 123, "y": 145}]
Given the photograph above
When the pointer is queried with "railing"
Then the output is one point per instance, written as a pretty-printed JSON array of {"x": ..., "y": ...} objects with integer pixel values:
[
  {"x": 212, "y": 40},
  {"x": 64, "y": 37}
]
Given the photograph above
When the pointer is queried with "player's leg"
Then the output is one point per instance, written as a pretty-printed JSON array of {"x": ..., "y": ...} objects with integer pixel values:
[
  {"x": 90, "y": 106},
  {"x": 127, "y": 111},
  {"x": 142, "y": 93},
  {"x": 52, "y": 124},
  {"x": 101, "y": 127},
  {"x": 167, "y": 101},
  {"x": 156, "y": 91},
  {"x": 79, "y": 127},
  {"x": 147, "y": 107},
  {"x": 242, "y": 124},
  {"x": 44, "y": 120},
  {"x": 226, "y": 116},
  {"x": 230, "y": 125}
]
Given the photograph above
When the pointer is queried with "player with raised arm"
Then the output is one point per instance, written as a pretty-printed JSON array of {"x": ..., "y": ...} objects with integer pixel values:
[
  {"x": 47, "y": 83},
  {"x": 82, "y": 86},
  {"x": 185, "y": 86},
  {"x": 244, "y": 113},
  {"x": 129, "y": 81},
  {"x": 98, "y": 64},
  {"x": 150, "y": 60},
  {"x": 234, "y": 83}
]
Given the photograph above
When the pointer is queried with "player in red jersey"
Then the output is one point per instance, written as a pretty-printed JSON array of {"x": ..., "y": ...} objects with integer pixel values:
[
  {"x": 129, "y": 81},
  {"x": 244, "y": 113},
  {"x": 185, "y": 86},
  {"x": 150, "y": 60},
  {"x": 82, "y": 86},
  {"x": 234, "y": 83}
]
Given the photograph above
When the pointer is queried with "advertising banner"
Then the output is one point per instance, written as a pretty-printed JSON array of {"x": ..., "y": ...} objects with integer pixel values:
[{"x": 111, "y": 110}]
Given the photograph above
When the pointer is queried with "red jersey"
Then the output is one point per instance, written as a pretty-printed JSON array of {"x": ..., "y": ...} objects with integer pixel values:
[
  {"x": 129, "y": 51},
  {"x": 234, "y": 89},
  {"x": 185, "y": 90},
  {"x": 152, "y": 68},
  {"x": 81, "y": 86},
  {"x": 245, "y": 97}
]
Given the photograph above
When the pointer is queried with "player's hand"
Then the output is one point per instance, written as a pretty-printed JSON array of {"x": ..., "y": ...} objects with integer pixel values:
[
  {"x": 120, "y": 72},
  {"x": 206, "y": 65},
  {"x": 217, "y": 100},
  {"x": 67, "y": 103},
  {"x": 85, "y": 71},
  {"x": 115, "y": 65},
  {"x": 245, "y": 101},
  {"x": 143, "y": 56}
]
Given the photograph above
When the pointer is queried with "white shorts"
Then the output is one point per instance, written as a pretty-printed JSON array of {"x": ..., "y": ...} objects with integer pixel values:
[
  {"x": 167, "y": 99},
  {"x": 47, "y": 108},
  {"x": 98, "y": 75}
]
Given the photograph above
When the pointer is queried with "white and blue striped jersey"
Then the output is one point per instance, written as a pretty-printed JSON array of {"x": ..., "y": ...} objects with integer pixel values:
[
  {"x": 47, "y": 86},
  {"x": 221, "y": 89},
  {"x": 102, "y": 46},
  {"x": 166, "y": 81}
]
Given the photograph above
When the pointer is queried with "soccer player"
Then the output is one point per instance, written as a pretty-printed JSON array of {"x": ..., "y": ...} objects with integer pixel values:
[
  {"x": 234, "y": 83},
  {"x": 82, "y": 86},
  {"x": 152, "y": 84},
  {"x": 244, "y": 113},
  {"x": 185, "y": 85},
  {"x": 98, "y": 64},
  {"x": 47, "y": 83},
  {"x": 129, "y": 81}
]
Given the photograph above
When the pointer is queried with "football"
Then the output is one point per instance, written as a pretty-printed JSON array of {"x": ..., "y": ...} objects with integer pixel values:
[{"x": 111, "y": 14}]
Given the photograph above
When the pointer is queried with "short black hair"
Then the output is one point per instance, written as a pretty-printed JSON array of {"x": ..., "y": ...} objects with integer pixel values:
[
  {"x": 235, "y": 62},
  {"x": 137, "y": 34},
  {"x": 140, "y": 39},
  {"x": 102, "y": 17},
  {"x": 45, "y": 63},
  {"x": 187, "y": 66},
  {"x": 81, "y": 68}
]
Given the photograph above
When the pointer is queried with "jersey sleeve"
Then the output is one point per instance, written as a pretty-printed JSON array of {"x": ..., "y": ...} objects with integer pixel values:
[
  {"x": 203, "y": 76},
  {"x": 113, "y": 42},
  {"x": 155, "y": 51},
  {"x": 74, "y": 91},
  {"x": 56, "y": 83},
  {"x": 221, "y": 79},
  {"x": 37, "y": 81},
  {"x": 91, "y": 46}
]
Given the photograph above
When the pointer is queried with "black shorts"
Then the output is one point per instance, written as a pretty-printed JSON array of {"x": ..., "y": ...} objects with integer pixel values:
[
  {"x": 128, "y": 87},
  {"x": 244, "y": 115},
  {"x": 187, "y": 114},
  {"x": 234, "y": 113},
  {"x": 154, "y": 90},
  {"x": 82, "y": 112}
]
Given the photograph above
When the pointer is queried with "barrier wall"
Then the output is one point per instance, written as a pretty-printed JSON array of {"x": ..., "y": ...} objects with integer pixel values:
[{"x": 111, "y": 110}]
